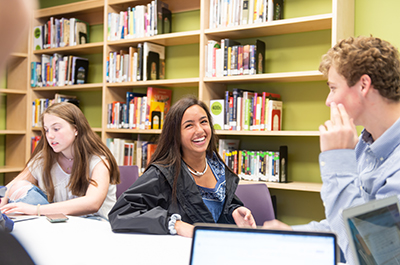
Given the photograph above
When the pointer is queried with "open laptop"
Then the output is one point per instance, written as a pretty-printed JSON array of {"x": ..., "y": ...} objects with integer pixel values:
[
  {"x": 224, "y": 244},
  {"x": 373, "y": 230}
]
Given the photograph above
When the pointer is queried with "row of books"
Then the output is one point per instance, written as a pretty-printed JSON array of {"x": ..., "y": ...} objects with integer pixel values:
[
  {"x": 61, "y": 32},
  {"x": 139, "y": 110},
  {"x": 59, "y": 70},
  {"x": 247, "y": 111},
  {"x": 141, "y": 63},
  {"x": 34, "y": 142},
  {"x": 131, "y": 152},
  {"x": 228, "y": 13},
  {"x": 255, "y": 165},
  {"x": 228, "y": 57},
  {"x": 39, "y": 105},
  {"x": 139, "y": 21}
]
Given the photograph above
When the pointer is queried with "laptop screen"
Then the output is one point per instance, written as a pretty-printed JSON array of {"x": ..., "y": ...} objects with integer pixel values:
[
  {"x": 375, "y": 235},
  {"x": 238, "y": 246}
]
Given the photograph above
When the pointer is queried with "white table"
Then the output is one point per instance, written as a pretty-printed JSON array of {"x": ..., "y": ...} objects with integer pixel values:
[{"x": 85, "y": 241}]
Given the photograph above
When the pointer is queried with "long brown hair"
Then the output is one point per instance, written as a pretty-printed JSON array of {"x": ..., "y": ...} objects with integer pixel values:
[
  {"x": 168, "y": 152},
  {"x": 86, "y": 144}
]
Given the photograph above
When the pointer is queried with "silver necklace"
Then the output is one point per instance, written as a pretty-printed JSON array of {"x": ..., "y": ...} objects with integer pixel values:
[
  {"x": 69, "y": 159},
  {"x": 196, "y": 173}
]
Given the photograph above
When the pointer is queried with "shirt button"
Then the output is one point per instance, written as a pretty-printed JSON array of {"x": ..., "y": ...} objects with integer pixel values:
[
  {"x": 322, "y": 163},
  {"x": 361, "y": 188},
  {"x": 381, "y": 158}
]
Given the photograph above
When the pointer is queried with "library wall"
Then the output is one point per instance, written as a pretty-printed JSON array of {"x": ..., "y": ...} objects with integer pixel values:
[{"x": 303, "y": 98}]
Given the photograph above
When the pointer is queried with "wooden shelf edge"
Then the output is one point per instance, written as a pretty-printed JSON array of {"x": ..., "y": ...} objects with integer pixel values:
[
  {"x": 96, "y": 47},
  {"x": 164, "y": 82},
  {"x": 169, "y": 39},
  {"x": 84, "y": 87},
  {"x": 10, "y": 169},
  {"x": 12, "y": 91},
  {"x": 12, "y": 132},
  {"x": 268, "y": 133},
  {"x": 135, "y": 131},
  {"x": 297, "y": 76},
  {"x": 69, "y": 8},
  {"x": 285, "y": 26},
  {"x": 19, "y": 55},
  {"x": 180, "y": 6},
  {"x": 294, "y": 186}
]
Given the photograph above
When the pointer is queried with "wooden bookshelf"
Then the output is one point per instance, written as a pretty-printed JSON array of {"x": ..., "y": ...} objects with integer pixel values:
[
  {"x": 208, "y": 88},
  {"x": 339, "y": 23}
]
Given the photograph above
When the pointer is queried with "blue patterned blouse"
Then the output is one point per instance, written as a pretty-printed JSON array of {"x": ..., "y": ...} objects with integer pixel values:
[{"x": 215, "y": 198}]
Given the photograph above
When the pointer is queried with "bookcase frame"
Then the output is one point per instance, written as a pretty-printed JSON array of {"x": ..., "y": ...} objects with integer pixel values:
[
  {"x": 17, "y": 110},
  {"x": 340, "y": 21}
]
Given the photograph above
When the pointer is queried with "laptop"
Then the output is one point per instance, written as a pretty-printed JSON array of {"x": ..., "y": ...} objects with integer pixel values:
[
  {"x": 226, "y": 244},
  {"x": 373, "y": 230}
]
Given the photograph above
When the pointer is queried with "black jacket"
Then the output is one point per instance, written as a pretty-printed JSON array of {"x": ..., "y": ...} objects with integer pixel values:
[{"x": 147, "y": 205}]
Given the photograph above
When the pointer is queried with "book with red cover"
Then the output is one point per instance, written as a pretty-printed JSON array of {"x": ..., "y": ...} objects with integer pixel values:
[{"x": 151, "y": 148}]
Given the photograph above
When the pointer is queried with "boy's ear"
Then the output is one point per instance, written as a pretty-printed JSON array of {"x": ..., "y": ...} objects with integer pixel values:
[{"x": 365, "y": 82}]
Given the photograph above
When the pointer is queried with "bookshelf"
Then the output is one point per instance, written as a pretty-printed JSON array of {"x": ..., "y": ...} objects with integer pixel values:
[
  {"x": 14, "y": 101},
  {"x": 307, "y": 31}
]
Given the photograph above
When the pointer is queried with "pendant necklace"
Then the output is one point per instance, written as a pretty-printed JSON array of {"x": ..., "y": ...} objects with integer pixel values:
[
  {"x": 196, "y": 173},
  {"x": 69, "y": 159}
]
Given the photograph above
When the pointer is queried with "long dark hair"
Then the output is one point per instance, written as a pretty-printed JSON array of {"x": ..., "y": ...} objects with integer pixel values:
[
  {"x": 86, "y": 144},
  {"x": 168, "y": 152}
]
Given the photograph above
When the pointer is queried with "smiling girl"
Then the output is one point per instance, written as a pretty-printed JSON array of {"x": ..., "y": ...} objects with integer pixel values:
[
  {"x": 71, "y": 170},
  {"x": 186, "y": 181}
]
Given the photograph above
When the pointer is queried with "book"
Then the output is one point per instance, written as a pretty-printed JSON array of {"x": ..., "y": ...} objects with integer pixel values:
[
  {"x": 217, "y": 113},
  {"x": 61, "y": 98},
  {"x": 66, "y": 33},
  {"x": 245, "y": 12},
  {"x": 274, "y": 115},
  {"x": 275, "y": 9},
  {"x": 228, "y": 43},
  {"x": 283, "y": 164},
  {"x": 154, "y": 96},
  {"x": 140, "y": 62},
  {"x": 166, "y": 20},
  {"x": 38, "y": 38},
  {"x": 130, "y": 111},
  {"x": 227, "y": 145},
  {"x": 80, "y": 68},
  {"x": 159, "y": 21},
  {"x": 81, "y": 32},
  {"x": 236, "y": 94},
  {"x": 156, "y": 115},
  {"x": 151, "y": 148},
  {"x": 153, "y": 65},
  {"x": 260, "y": 56},
  {"x": 155, "y": 48}
]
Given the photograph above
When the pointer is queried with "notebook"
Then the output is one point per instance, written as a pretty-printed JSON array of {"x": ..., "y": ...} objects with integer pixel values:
[
  {"x": 224, "y": 244},
  {"x": 373, "y": 230}
]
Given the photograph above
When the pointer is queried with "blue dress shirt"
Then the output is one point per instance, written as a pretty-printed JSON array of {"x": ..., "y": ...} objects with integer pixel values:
[{"x": 353, "y": 177}]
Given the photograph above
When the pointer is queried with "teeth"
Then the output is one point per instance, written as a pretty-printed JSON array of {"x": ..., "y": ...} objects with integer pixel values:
[{"x": 200, "y": 139}]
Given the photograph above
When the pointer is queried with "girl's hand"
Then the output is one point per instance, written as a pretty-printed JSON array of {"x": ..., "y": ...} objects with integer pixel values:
[
  {"x": 19, "y": 207},
  {"x": 184, "y": 229},
  {"x": 243, "y": 217}
]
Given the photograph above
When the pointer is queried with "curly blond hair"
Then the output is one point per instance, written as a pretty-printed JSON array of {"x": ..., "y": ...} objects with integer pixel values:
[{"x": 354, "y": 57}]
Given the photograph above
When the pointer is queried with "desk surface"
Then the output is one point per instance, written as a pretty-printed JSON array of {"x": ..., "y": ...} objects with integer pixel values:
[{"x": 86, "y": 241}]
